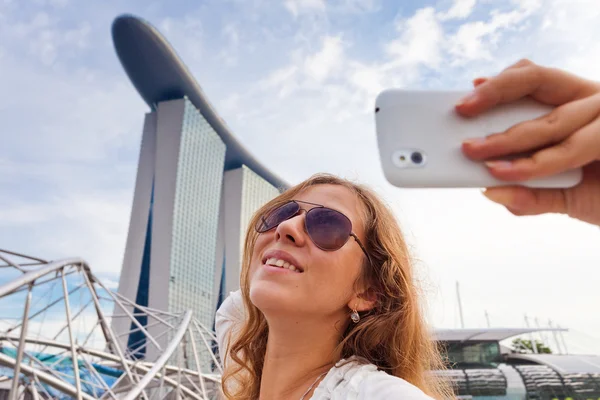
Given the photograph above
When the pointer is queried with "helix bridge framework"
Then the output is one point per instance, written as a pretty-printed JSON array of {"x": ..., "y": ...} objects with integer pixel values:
[{"x": 57, "y": 340}]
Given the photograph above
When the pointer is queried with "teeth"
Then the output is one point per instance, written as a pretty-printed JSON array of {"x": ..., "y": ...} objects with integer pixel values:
[{"x": 281, "y": 264}]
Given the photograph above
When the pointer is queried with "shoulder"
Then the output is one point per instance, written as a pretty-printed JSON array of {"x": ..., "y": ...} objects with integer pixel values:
[
  {"x": 232, "y": 307},
  {"x": 352, "y": 379},
  {"x": 229, "y": 319},
  {"x": 380, "y": 385}
]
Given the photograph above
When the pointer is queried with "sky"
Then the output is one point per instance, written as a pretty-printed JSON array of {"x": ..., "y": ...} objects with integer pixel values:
[{"x": 296, "y": 82}]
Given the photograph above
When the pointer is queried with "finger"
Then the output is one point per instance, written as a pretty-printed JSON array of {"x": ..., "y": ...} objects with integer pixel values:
[
  {"x": 547, "y": 85},
  {"x": 518, "y": 64},
  {"x": 525, "y": 201},
  {"x": 521, "y": 63},
  {"x": 549, "y": 129},
  {"x": 577, "y": 150},
  {"x": 509, "y": 85}
]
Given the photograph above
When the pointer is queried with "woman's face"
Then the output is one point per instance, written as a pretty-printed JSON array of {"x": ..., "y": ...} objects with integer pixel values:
[{"x": 326, "y": 286}]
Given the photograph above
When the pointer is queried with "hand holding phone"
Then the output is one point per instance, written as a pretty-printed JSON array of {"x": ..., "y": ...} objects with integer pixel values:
[{"x": 420, "y": 136}]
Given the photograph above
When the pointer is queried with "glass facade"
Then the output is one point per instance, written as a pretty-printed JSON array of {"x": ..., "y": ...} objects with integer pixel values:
[
  {"x": 485, "y": 354},
  {"x": 195, "y": 217},
  {"x": 182, "y": 227}
]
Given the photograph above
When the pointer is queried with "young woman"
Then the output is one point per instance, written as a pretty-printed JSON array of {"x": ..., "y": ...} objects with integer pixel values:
[{"x": 328, "y": 306}]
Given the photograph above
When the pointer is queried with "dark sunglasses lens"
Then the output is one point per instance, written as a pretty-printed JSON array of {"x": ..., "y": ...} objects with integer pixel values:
[
  {"x": 276, "y": 216},
  {"x": 328, "y": 229}
]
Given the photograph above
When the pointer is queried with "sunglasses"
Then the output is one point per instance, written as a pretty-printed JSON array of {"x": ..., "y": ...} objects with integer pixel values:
[{"x": 328, "y": 229}]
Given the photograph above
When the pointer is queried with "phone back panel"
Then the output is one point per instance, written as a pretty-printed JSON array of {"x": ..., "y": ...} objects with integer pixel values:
[{"x": 425, "y": 122}]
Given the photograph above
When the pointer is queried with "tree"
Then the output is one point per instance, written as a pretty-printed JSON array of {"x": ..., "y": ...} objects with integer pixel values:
[{"x": 524, "y": 346}]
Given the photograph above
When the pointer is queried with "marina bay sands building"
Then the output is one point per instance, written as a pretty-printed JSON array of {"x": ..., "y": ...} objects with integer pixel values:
[{"x": 195, "y": 191}]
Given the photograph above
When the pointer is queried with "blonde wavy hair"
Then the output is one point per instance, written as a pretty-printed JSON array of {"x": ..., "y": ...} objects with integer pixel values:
[{"x": 393, "y": 335}]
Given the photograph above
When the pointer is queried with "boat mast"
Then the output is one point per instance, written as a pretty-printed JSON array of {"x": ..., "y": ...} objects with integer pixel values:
[
  {"x": 460, "y": 310},
  {"x": 562, "y": 339},
  {"x": 555, "y": 337},
  {"x": 533, "y": 343}
]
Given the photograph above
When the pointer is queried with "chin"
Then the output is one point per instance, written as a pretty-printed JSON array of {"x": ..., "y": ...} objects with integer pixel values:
[{"x": 269, "y": 296}]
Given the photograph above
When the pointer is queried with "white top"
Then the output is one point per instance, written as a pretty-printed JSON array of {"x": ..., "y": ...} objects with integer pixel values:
[{"x": 354, "y": 380}]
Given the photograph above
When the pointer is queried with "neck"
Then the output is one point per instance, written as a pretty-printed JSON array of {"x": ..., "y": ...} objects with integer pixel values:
[{"x": 298, "y": 351}]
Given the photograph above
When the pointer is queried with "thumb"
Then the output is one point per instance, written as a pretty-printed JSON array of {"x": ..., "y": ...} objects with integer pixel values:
[{"x": 520, "y": 200}]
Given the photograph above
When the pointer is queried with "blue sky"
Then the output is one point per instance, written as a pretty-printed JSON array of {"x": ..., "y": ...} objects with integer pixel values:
[{"x": 296, "y": 81}]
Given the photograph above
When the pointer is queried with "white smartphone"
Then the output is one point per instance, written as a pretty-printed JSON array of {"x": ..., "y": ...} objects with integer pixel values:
[{"x": 419, "y": 136}]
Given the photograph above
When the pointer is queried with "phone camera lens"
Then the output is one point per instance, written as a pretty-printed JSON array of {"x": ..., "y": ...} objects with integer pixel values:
[{"x": 416, "y": 157}]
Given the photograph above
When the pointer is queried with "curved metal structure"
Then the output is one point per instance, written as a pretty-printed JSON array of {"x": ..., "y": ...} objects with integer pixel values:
[
  {"x": 159, "y": 75},
  {"x": 57, "y": 340},
  {"x": 481, "y": 367}
]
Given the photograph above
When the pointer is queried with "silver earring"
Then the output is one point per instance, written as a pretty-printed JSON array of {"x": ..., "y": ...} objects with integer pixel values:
[{"x": 355, "y": 317}]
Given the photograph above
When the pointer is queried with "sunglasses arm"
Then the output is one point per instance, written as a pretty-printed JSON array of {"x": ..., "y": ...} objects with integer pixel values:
[{"x": 362, "y": 247}]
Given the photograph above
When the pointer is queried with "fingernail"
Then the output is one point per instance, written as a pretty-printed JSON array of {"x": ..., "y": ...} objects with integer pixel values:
[
  {"x": 469, "y": 99},
  {"x": 475, "y": 141},
  {"x": 499, "y": 196},
  {"x": 499, "y": 164},
  {"x": 479, "y": 81}
]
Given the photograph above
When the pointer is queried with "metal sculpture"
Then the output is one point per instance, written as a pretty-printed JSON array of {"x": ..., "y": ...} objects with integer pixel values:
[{"x": 57, "y": 339}]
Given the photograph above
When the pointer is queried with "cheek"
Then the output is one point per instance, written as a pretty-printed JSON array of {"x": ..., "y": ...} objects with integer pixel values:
[
  {"x": 263, "y": 239},
  {"x": 261, "y": 242},
  {"x": 336, "y": 275}
]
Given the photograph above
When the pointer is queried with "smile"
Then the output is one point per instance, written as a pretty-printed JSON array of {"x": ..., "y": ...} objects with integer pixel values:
[{"x": 275, "y": 262}]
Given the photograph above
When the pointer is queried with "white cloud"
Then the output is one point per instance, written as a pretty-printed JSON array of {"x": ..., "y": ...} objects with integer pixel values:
[
  {"x": 572, "y": 26},
  {"x": 23, "y": 29},
  {"x": 460, "y": 9},
  {"x": 467, "y": 43},
  {"x": 283, "y": 80},
  {"x": 189, "y": 31},
  {"x": 76, "y": 126},
  {"x": 328, "y": 60},
  {"x": 229, "y": 54},
  {"x": 59, "y": 3},
  {"x": 355, "y": 6},
  {"x": 328, "y": 70},
  {"x": 78, "y": 36},
  {"x": 306, "y": 70},
  {"x": 46, "y": 40},
  {"x": 87, "y": 224},
  {"x": 110, "y": 284},
  {"x": 419, "y": 42},
  {"x": 477, "y": 40},
  {"x": 25, "y": 214},
  {"x": 368, "y": 78},
  {"x": 297, "y": 7}
]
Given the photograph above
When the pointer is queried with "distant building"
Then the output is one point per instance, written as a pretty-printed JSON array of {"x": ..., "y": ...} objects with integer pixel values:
[
  {"x": 481, "y": 368},
  {"x": 195, "y": 192}
]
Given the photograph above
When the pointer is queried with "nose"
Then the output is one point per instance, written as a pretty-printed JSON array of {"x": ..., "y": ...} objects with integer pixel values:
[{"x": 292, "y": 231}]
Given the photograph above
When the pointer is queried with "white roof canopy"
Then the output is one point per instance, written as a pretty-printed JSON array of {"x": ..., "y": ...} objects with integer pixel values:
[{"x": 490, "y": 334}]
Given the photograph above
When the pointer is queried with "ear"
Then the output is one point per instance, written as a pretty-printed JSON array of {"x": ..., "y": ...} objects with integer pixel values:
[{"x": 363, "y": 301}]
